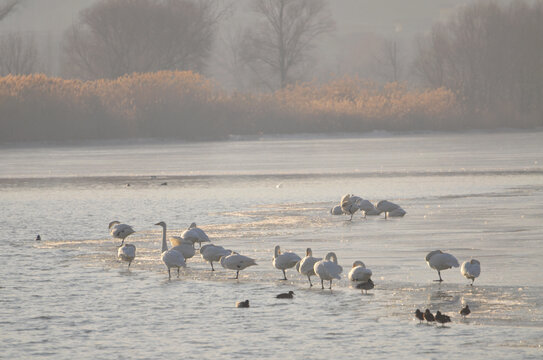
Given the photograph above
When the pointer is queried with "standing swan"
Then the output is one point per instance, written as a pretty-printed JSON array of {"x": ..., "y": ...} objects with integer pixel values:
[
  {"x": 195, "y": 234},
  {"x": 305, "y": 266},
  {"x": 212, "y": 253},
  {"x": 387, "y": 207},
  {"x": 120, "y": 231},
  {"x": 438, "y": 260},
  {"x": 328, "y": 269},
  {"x": 471, "y": 269},
  {"x": 127, "y": 252},
  {"x": 171, "y": 258},
  {"x": 367, "y": 207},
  {"x": 283, "y": 261},
  {"x": 349, "y": 205},
  {"x": 236, "y": 262}
]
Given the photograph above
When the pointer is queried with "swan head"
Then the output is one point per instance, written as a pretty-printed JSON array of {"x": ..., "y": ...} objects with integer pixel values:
[
  {"x": 277, "y": 251},
  {"x": 113, "y": 223},
  {"x": 192, "y": 226},
  {"x": 308, "y": 252},
  {"x": 473, "y": 261},
  {"x": 359, "y": 263},
  {"x": 162, "y": 223}
]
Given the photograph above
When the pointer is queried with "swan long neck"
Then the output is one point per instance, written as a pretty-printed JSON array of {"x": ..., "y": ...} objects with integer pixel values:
[
  {"x": 164, "y": 243},
  {"x": 277, "y": 251},
  {"x": 308, "y": 252},
  {"x": 331, "y": 257}
]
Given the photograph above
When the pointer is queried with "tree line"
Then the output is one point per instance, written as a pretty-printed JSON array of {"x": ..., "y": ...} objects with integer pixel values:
[{"x": 486, "y": 62}]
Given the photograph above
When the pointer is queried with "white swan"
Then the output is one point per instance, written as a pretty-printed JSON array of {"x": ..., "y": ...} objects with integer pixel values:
[
  {"x": 359, "y": 272},
  {"x": 127, "y": 252},
  {"x": 336, "y": 210},
  {"x": 171, "y": 258},
  {"x": 386, "y": 207},
  {"x": 438, "y": 260},
  {"x": 348, "y": 204},
  {"x": 212, "y": 253},
  {"x": 120, "y": 231},
  {"x": 305, "y": 266},
  {"x": 185, "y": 247},
  {"x": 367, "y": 207},
  {"x": 283, "y": 261},
  {"x": 236, "y": 262},
  {"x": 328, "y": 269},
  {"x": 195, "y": 234},
  {"x": 471, "y": 269}
]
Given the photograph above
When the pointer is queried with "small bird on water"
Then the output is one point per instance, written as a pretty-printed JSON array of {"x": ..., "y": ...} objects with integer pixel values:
[
  {"x": 368, "y": 285},
  {"x": 242, "y": 304},
  {"x": 428, "y": 316},
  {"x": 419, "y": 315},
  {"x": 38, "y": 238},
  {"x": 465, "y": 311},
  {"x": 442, "y": 318},
  {"x": 288, "y": 295}
]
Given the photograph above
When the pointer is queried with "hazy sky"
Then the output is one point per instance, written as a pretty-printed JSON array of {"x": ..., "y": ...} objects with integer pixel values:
[
  {"x": 402, "y": 19},
  {"x": 380, "y": 16}
]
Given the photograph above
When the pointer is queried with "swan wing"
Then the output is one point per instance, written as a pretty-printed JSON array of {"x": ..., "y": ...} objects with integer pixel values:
[
  {"x": 187, "y": 250},
  {"x": 398, "y": 212},
  {"x": 307, "y": 265},
  {"x": 286, "y": 260},
  {"x": 367, "y": 206},
  {"x": 386, "y": 206},
  {"x": 443, "y": 261},
  {"x": 214, "y": 253},
  {"x": 327, "y": 270},
  {"x": 127, "y": 252},
  {"x": 121, "y": 231},
  {"x": 173, "y": 258},
  {"x": 195, "y": 235},
  {"x": 359, "y": 273},
  {"x": 237, "y": 262}
]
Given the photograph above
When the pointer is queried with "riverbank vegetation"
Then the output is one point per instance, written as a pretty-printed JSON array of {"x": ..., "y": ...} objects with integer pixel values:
[{"x": 188, "y": 106}]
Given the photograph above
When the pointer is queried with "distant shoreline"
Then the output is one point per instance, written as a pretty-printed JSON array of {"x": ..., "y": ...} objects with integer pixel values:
[{"x": 262, "y": 137}]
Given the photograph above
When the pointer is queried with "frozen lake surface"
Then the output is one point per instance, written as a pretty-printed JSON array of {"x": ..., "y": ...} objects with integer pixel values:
[{"x": 475, "y": 195}]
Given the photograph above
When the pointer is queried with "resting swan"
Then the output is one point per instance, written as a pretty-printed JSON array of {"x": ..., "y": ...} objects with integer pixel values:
[
  {"x": 283, "y": 261},
  {"x": 212, "y": 253},
  {"x": 471, "y": 269},
  {"x": 438, "y": 260},
  {"x": 328, "y": 269},
  {"x": 359, "y": 272},
  {"x": 236, "y": 262},
  {"x": 305, "y": 266},
  {"x": 120, "y": 231},
  {"x": 195, "y": 234}
]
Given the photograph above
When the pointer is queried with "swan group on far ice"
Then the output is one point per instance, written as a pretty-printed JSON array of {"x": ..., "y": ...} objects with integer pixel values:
[{"x": 350, "y": 204}]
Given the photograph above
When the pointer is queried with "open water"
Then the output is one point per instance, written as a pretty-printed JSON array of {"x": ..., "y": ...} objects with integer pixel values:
[{"x": 474, "y": 195}]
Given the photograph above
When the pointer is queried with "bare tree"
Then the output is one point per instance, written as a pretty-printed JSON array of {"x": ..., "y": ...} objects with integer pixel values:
[
  {"x": 282, "y": 41},
  {"x": 18, "y": 54},
  {"x": 388, "y": 63},
  {"x": 116, "y": 37}
]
